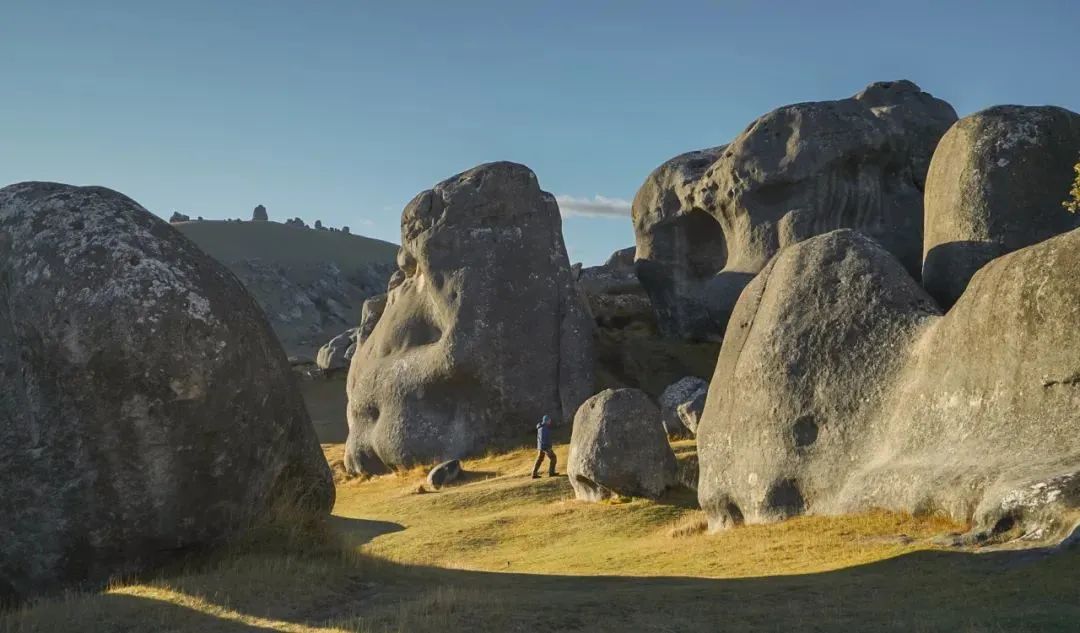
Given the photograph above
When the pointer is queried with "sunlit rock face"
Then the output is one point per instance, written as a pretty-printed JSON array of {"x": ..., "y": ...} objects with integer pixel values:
[
  {"x": 996, "y": 184},
  {"x": 707, "y": 221},
  {"x": 145, "y": 405},
  {"x": 841, "y": 387},
  {"x": 483, "y": 331}
]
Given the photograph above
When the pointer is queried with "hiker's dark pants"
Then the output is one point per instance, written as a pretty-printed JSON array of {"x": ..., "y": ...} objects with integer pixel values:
[{"x": 540, "y": 460}]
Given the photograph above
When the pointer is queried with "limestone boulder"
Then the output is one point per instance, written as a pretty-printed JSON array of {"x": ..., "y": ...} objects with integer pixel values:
[
  {"x": 444, "y": 473},
  {"x": 840, "y": 387},
  {"x": 681, "y": 392},
  {"x": 813, "y": 344},
  {"x": 337, "y": 353},
  {"x": 484, "y": 330},
  {"x": 618, "y": 446},
  {"x": 146, "y": 407},
  {"x": 690, "y": 412},
  {"x": 706, "y": 222},
  {"x": 995, "y": 185}
]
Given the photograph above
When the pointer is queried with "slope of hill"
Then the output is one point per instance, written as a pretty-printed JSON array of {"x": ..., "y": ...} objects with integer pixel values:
[{"x": 311, "y": 283}]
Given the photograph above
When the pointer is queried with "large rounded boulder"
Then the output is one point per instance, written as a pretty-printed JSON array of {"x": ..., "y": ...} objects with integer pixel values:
[
  {"x": 841, "y": 387},
  {"x": 984, "y": 423},
  {"x": 146, "y": 407},
  {"x": 484, "y": 330},
  {"x": 618, "y": 446},
  {"x": 814, "y": 343},
  {"x": 995, "y": 185},
  {"x": 707, "y": 222}
]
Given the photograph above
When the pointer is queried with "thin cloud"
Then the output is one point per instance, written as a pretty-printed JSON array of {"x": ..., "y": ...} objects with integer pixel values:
[{"x": 596, "y": 207}]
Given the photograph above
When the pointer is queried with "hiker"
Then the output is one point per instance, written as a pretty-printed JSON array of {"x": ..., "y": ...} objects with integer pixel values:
[{"x": 543, "y": 447}]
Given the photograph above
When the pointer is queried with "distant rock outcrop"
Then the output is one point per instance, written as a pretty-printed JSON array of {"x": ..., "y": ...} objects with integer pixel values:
[
  {"x": 619, "y": 447},
  {"x": 179, "y": 217},
  {"x": 706, "y": 222},
  {"x": 629, "y": 349},
  {"x": 483, "y": 331},
  {"x": 996, "y": 185},
  {"x": 840, "y": 387},
  {"x": 259, "y": 214},
  {"x": 145, "y": 408}
]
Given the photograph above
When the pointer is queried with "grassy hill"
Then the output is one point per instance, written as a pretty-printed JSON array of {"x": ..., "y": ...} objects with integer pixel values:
[
  {"x": 288, "y": 245},
  {"x": 503, "y": 552},
  {"x": 310, "y": 283}
]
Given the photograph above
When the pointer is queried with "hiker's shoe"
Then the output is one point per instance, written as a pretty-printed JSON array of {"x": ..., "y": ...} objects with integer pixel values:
[
  {"x": 535, "y": 476},
  {"x": 553, "y": 474}
]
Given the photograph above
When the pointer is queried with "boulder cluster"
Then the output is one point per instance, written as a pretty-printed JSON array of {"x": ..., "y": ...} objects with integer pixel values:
[
  {"x": 863, "y": 303},
  {"x": 891, "y": 291}
]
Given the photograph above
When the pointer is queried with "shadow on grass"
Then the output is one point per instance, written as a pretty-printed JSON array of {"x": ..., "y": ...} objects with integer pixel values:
[
  {"x": 924, "y": 591},
  {"x": 357, "y": 532}
]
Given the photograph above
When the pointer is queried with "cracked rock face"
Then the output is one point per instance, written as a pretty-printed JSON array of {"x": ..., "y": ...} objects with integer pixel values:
[
  {"x": 619, "y": 447},
  {"x": 145, "y": 405},
  {"x": 841, "y": 387},
  {"x": 996, "y": 185},
  {"x": 483, "y": 331},
  {"x": 707, "y": 221}
]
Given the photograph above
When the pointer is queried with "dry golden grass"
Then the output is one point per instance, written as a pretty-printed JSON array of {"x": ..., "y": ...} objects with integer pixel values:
[
  {"x": 503, "y": 552},
  {"x": 502, "y": 520}
]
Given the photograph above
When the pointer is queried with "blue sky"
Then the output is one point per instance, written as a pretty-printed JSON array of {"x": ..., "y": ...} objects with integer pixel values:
[{"x": 343, "y": 110}]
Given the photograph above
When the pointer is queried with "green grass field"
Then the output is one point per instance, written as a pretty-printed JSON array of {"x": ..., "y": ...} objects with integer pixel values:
[{"x": 503, "y": 552}]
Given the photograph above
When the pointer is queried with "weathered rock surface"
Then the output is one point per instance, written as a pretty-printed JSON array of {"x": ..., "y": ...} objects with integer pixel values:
[
  {"x": 706, "y": 222},
  {"x": 841, "y": 388},
  {"x": 444, "y": 473},
  {"x": 337, "y": 353},
  {"x": 145, "y": 406},
  {"x": 311, "y": 284},
  {"x": 690, "y": 412},
  {"x": 618, "y": 446},
  {"x": 629, "y": 349},
  {"x": 681, "y": 392},
  {"x": 995, "y": 185},
  {"x": 483, "y": 332}
]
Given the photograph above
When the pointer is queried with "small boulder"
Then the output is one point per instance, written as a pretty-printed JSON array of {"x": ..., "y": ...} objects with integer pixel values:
[
  {"x": 259, "y": 214},
  {"x": 618, "y": 446},
  {"x": 337, "y": 353},
  {"x": 444, "y": 473},
  {"x": 177, "y": 217},
  {"x": 690, "y": 411},
  {"x": 683, "y": 391}
]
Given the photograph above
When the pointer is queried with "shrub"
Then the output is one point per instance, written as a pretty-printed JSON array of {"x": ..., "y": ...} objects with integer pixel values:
[{"x": 1073, "y": 201}]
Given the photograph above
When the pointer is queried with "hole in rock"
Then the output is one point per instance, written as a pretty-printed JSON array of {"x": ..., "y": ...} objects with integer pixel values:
[
  {"x": 804, "y": 431},
  {"x": 785, "y": 498}
]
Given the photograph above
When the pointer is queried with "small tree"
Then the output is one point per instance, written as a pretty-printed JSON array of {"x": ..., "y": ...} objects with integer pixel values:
[{"x": 1073, "y": 201}]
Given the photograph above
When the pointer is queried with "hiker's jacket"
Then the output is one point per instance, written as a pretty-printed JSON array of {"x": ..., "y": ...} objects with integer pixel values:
[{"x": 543, "y": 436}]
